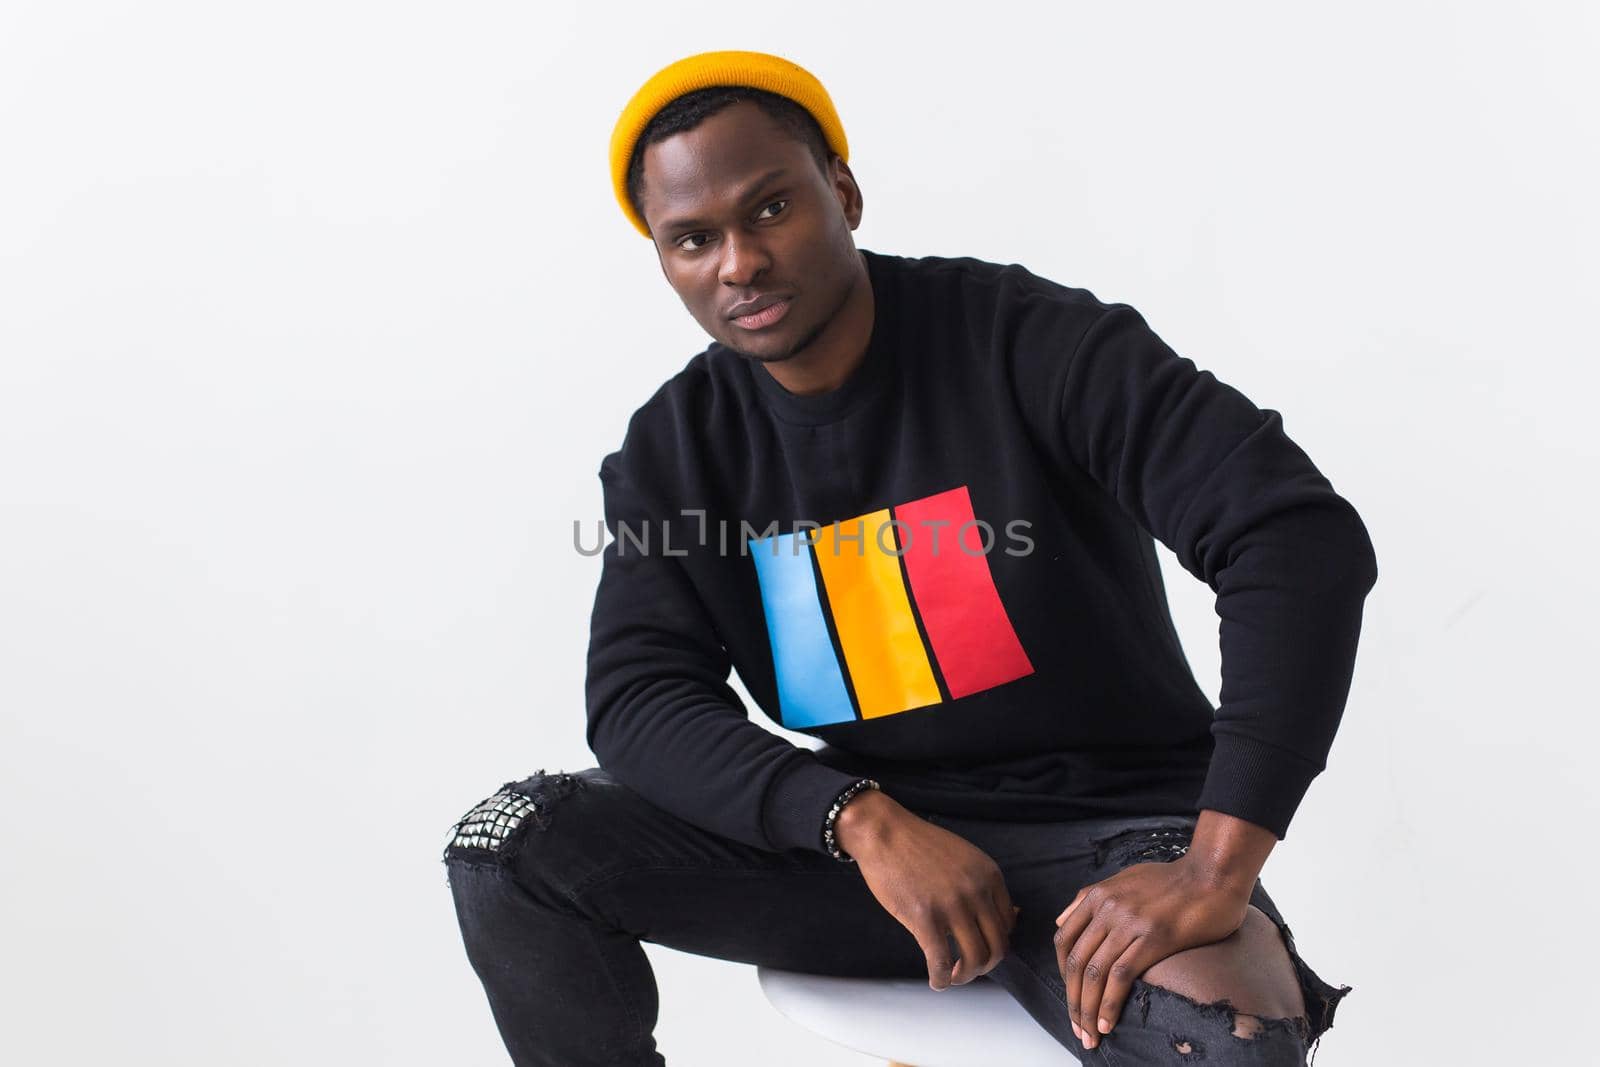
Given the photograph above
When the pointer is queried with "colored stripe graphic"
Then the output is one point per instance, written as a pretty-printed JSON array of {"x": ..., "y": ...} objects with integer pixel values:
[
  {"x": 811, "y": 688},
  {"x": 967, "y": 625},
  {"x": 872, "y": 615}
]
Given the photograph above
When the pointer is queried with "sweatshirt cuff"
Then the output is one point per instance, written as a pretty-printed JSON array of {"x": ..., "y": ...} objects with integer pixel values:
[
  {"x": 1256, "y": 782},
  {"x": 798, "y": 803}
]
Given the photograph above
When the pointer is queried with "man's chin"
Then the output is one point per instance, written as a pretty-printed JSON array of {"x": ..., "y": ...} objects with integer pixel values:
[
  {"x": 767, "y": 355},
  {"x": 756, "y": 357},
  {"x": 776, "y": 350}
]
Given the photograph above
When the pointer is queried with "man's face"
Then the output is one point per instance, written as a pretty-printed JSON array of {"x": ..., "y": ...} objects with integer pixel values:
[{"x": 740, "y": 213}]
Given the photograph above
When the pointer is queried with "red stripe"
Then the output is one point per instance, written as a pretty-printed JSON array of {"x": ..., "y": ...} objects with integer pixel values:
[{"x": 971, "y": 635}]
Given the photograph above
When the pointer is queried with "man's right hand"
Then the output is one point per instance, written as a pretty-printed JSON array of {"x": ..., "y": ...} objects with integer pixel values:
[{"x": 934, "y": 882}]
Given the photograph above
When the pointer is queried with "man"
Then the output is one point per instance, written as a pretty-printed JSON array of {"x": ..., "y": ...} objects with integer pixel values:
[{"x": 911, "y": 501}]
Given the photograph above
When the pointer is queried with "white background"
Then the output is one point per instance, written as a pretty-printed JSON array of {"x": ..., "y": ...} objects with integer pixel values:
[{"x": 317, "y": 318}]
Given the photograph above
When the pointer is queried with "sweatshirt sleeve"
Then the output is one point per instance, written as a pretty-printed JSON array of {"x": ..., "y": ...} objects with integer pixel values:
[
  {"x": 662, "y": 718},
  {"x": 1217, "y": 480}
]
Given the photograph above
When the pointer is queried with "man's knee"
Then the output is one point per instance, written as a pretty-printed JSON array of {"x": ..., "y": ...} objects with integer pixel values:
[
  {"x": 494, "y": 831},
  {"x": 1248, "y": 974}
]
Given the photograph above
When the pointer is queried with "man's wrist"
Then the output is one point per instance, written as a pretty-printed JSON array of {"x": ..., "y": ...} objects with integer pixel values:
[
  {"x": 862, "y": 825},
  {"x": 1227, "y": 852}
]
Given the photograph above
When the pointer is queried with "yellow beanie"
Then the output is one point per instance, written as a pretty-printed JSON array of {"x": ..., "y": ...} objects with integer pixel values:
[{"x": 757, "y": 70}]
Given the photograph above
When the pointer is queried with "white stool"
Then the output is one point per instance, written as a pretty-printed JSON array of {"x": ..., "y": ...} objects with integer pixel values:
[{"x": 905, "y": 1022}]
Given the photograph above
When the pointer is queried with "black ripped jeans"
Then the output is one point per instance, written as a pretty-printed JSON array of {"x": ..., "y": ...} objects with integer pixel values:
[{"x": 557, "y": 878}]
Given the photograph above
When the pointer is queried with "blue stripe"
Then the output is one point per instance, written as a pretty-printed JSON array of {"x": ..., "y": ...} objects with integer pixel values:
[{"x": 811, "y": 688}]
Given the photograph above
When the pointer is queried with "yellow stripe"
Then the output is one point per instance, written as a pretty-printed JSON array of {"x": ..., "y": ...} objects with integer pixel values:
[{"x": 888, "y": 665}]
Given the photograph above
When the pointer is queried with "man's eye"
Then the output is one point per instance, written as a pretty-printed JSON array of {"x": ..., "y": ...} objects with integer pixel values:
[
  {"x": 691, "y": 237},
  {"x": 784, "y": 202}
]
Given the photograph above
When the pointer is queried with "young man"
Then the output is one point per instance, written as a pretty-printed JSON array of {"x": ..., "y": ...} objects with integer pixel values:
[{"x": 912, "y": 502}]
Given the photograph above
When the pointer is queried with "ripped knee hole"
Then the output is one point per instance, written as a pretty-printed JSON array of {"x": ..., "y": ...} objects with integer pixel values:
[{"x": 490, "y": 827}]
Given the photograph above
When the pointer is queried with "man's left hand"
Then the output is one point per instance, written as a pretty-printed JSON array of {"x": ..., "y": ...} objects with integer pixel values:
[{"x": 1115, "y": 930}]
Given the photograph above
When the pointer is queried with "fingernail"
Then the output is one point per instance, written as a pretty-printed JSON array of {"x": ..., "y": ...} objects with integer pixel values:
[
  {"x": 1078, "y": 1033},
  {"x": 1105, "y": 1027}
]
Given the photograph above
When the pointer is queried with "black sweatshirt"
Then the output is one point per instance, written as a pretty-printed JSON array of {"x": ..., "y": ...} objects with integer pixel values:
[{"x": 944, "y": 570}]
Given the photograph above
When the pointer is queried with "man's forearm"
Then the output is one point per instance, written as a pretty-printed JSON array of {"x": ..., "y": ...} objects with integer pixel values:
[{"x": 1229, "y": 852}]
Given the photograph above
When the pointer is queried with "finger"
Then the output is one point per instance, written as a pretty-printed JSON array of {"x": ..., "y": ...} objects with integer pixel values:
[
  {"x": 1001, "y": 897},
  {"x": 1075, "y": 923},
  {"x": 996, "y": 926},
  {"x": 1005, "y": 914},
  {"x": 1068, "y": 931},
  {"x": 1072, "y": 953},
  {"x": 930, "y": 935},
  {"x": 1095, "y": 973},
  {"x": 1075, "y": 902},
  {"x": 1134, "y": 961},
  {"x": 974, "y": 950}
]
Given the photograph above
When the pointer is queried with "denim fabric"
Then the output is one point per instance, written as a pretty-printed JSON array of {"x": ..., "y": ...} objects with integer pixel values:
[{"x": 556, "y": 884}]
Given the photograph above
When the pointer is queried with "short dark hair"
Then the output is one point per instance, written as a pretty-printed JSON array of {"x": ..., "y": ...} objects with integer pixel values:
[{"x": 692, "y": 108}]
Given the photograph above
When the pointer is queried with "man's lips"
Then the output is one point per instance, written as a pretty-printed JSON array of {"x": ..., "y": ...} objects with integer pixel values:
[{"x": 760, "y": 313}]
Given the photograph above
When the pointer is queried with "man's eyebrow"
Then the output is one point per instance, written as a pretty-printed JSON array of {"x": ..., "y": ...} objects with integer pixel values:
[{"x": 747, "y": 194}]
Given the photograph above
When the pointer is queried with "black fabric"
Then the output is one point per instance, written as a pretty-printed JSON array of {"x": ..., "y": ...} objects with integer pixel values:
[
  {"x": 1042, "y": 404},
  {"x": 553, "y": 920}
]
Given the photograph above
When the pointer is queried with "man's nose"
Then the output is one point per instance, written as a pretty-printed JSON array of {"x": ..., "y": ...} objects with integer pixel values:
[{"x": 744, "y": 258}]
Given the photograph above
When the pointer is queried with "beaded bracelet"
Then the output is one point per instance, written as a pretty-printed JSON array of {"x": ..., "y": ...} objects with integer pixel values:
[{"x": 828, "y": 841}]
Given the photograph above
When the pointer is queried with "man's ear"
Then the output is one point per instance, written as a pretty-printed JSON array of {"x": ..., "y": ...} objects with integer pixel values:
[{"x": 846, "y": 189}]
